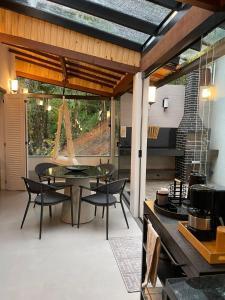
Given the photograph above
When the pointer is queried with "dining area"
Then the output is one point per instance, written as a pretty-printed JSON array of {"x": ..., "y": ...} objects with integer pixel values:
[{"x": 81, "y": 190}]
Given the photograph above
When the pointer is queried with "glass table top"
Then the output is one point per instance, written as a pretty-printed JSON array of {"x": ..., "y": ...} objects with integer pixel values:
[{"x": 83, "y": 172}]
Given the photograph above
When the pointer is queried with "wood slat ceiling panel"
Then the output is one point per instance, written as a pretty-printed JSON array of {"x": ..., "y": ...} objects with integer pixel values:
[{"x": 29, "y": 28}]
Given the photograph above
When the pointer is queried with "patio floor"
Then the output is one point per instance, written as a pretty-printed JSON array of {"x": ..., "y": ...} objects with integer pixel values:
[{"x": 67, "y": 263}]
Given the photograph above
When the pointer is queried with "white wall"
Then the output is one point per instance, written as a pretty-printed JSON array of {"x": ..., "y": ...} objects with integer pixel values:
[
  {"x": 157, "y": 116},
  {"x": 218, "y": 124}
]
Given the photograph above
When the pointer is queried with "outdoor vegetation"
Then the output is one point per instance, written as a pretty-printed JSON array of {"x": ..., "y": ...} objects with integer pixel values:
[{"x": 89, "y": 120}]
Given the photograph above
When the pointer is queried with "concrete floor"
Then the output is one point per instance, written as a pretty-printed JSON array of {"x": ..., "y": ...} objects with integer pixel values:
[{"x": 67, "y": 263}]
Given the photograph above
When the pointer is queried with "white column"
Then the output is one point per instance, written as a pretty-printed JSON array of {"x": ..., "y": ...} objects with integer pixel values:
[
  {"x": 135, "y": 143},
  {"x": 144, "y": 139},
  {"x": 113, "y": 125}
]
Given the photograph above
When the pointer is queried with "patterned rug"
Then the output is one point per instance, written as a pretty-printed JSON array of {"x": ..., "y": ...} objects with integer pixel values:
[{"x": 128, "y": 253}]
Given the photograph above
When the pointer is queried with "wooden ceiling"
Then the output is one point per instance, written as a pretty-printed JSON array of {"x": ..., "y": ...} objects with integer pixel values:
[{"x": 59, "y": 70}]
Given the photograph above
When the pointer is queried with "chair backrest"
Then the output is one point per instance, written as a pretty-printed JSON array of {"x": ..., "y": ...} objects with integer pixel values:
[
  {"x": 113, "y": 187},
  {"x": 108, "y": 168},
  {"x": 35, "y": 187},
  {"x": 42, "y": 167}
]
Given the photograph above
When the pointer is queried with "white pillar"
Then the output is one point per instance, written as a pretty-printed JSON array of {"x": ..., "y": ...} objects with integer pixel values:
[
  {"x": 144, "y": 140},
  {"x": 113, "y": 129},
  {"x": 135, "y": 144}
]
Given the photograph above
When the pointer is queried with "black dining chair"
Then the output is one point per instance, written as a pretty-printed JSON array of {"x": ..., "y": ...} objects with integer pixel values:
[
  {"x": 40, "y": 170},
  {"x": 46, "y": 195},
  {"x": 105, "y": 197},
  {"x": 109, "y": 170}
]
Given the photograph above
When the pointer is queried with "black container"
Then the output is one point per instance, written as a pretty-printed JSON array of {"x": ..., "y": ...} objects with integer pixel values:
[{"x": 202, "y": 197}]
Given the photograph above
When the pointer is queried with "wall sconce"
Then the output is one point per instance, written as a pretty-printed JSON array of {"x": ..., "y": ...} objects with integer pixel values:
[
  {"x": 151, "y": 95},
  {"x": 165, "y": 103},
  {"x": 108, "y": 114},
  {"x": 14, "y": 86}
]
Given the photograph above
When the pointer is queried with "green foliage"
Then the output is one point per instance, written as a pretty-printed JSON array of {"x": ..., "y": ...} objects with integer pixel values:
[{"x": 42, "y": 124}]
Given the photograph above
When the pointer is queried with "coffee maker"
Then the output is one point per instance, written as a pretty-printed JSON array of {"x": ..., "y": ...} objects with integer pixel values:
[{"x": 206, "y": 210}]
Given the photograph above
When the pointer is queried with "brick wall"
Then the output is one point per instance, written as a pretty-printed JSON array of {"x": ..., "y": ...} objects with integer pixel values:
[{"x": 192, "y": 137}]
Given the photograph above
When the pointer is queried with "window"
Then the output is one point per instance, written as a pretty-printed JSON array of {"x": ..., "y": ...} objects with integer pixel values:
[{"x": 89, "y": 123}]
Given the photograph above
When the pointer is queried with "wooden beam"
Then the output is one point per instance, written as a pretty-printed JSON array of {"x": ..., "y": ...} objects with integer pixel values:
[
  {"x": 123, "y": 85},
  {"x": 39, "y": 64},
  {"x": 214, "y": 5},
  {"x": 111, "y": 76},
  {"x": 39, "y": 59},
  {"x": 69, "y": 97},
  {"x": 64, "y": 69},
  {"x": 44, "y": 54},
  {"x": 178, "y": 38},
  {"x": 91, "y": 75},
  {"x": 91, "y": 79},
  {"x": 212, "y": 55},
  {"x": 116, "y": 75},
  {"x": 60, "y": 83}
]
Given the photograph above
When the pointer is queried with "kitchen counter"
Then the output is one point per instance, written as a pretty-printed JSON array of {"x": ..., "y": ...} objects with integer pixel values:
[{"x": 200, "y": 288}]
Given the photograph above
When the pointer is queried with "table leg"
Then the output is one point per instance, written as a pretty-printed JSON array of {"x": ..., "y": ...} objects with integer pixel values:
[{"x": 87, "y": 212}]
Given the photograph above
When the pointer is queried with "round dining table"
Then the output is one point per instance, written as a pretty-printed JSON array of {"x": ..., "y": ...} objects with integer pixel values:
[{"x": 77, "y": 175}]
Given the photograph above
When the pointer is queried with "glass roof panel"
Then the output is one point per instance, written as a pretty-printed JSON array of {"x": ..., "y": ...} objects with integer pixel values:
[
  {"x": 141, "y": 9},
  {"x": 87, "y": 19}
]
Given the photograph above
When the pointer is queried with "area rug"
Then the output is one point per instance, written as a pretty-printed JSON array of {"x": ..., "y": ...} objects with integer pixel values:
[{"x": 128, "y": 253}]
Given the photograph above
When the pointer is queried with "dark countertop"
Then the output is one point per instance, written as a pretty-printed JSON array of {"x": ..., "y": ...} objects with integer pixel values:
[
  {"x": 193, "y": 264},
  {"x": 196, "y": 288}
]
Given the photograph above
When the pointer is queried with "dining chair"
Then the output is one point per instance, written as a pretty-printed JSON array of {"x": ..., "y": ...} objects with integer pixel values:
[
  {"x": 46, "y": 195},
  {"x": 40, "y": 171},
  {"x": 105, "y": 197},
  {"x": 109, "y": 170}
]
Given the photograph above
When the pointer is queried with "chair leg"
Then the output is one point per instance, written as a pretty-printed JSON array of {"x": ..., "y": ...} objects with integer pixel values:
[
  {"x": 25, "y": 214},
  {"x": 79, "y": 211},
  {"x": 34, "y": 205},
  {"x": 72, "y": 212},
  {"x": 124, "y": 212},
  {"x": 103, "y": 212},
  {"x": 41, "y": 219},
  {"x": 95, "y": 210},
  {"x": 50, "y": 211},
  {"x": 107, "y": 222}
]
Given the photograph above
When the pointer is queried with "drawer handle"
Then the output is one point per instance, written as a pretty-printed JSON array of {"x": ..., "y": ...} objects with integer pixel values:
[{"x": 171, "y": 257}]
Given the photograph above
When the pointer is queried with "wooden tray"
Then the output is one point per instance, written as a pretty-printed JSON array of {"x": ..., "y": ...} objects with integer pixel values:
[{"x": 206, "y": 249}]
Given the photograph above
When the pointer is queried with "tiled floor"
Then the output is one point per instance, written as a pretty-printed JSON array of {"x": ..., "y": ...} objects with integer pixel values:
[{"x": 67, "y": 264}]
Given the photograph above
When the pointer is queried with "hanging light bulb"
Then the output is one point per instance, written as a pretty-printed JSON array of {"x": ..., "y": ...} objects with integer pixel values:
[
  {"x": 40, "y": 102},
  {"x": 49, "y": 107}
]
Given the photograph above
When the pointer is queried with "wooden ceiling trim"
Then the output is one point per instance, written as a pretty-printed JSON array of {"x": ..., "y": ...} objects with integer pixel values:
[
  {"x": 93, "y": 68},
  {"x": 35, "y": 58},
  {"x": 175, "y": 40},
  {"x": 60, "y": 83},
  {"x": 93, "y": 75},
  {"x": 91, "y": 79},
  {"x": 39, "y": 53},
  {"x": 43, "y": 72},
  {"x": 39, "y": 64},
  {"x": 123, "y": 85},
  {"x": 42, "y": 36}
]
